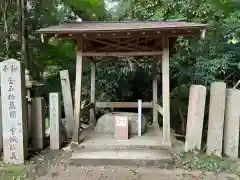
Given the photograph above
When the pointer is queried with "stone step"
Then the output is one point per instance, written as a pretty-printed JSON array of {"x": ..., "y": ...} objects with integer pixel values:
[
  {"x": 120, "y": 146},
  {"x": 86, "y": 157}
]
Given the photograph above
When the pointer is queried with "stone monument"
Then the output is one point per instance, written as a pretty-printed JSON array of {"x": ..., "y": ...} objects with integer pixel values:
[
  {"x": 216, "y": 118},
  {"x": 67, "y": 101},
  {"x": 196, "y": 108},
  {"x": 15, "y": 136},
  {"x": 231, "y": 124},
  {"x": 38, "y": 123},
  {"x": 55, "y": 118}
]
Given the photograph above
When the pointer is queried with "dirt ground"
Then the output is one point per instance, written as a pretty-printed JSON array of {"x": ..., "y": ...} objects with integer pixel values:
[
  {"x": 127, "y": 173},
  {"x": 52, "y": 165}
]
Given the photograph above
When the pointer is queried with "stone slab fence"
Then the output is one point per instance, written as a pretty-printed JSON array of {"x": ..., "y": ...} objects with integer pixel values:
[
  {"x": 223, "y": 120},
  {"x": 231, "y": 125},
  {"x": 196, "y": 109},
  {"x": 216, "y": 118}
]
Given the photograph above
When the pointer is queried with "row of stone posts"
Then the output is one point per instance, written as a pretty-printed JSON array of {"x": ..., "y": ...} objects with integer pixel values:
[
  {"x": 223, "y": 120},
  {"x": 16, "y": 123}
]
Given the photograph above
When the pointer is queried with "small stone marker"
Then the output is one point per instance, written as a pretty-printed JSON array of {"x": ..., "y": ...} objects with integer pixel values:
[
  {"x": 196, "y": 108},
  {"x": 38, "y": 123},
  {"x": 121, "y": 127},
  {"x": 55, "y": 117},
  {"x": 231, "y": 124},
  {"x": 15, "y": 141},
  {"x": 216, "y": 118}
]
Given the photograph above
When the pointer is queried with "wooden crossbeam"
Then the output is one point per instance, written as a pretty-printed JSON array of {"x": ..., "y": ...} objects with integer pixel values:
[
  {"x": 159, "y": 109},
  {"x": 123, "y": 104},
  {"x": 108, "y": 43},
  {"x": 122, "y": 54},
  {"x": 127, "y": 44},
  {"x": 119, "y": 42}
]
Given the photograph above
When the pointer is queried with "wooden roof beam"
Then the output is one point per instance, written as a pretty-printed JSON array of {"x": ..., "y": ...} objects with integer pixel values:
[{"x": 121, "y": 54}]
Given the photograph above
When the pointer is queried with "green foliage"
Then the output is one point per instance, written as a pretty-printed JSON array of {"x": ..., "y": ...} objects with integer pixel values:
[
  {"x": 12, "y": 172},
  {"x": 193, "y": 61},
  {"x": 87, "y": 9},
  {"x": 193, "y": 161}
]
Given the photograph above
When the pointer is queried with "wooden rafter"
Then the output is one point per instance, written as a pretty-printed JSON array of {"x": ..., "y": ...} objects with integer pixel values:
[{"x": 119, "y": 45}]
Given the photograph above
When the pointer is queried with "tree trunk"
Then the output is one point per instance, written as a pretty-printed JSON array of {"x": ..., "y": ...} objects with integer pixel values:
[
  {"x": 24, "y": 35},
  {"x": 4, "y": 8}
]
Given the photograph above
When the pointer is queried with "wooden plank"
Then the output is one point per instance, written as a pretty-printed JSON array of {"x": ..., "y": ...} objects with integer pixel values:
[
  {"x": 67, "y": 101},
  {"x": 123, "y": 104},
  {"x": 93, "y": 87},
  {"x": 166, "y": 90},
  {"x": 129, "y": 34},
  {"x": 123, "y": 54},
  {"x": 155, "y": 91},
  {"x": 159, "y": 109},
  {"x": 78, "y": 92}
]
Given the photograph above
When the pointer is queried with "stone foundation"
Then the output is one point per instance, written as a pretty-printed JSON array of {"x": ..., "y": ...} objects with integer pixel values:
[{"x": 105, "y": 123}]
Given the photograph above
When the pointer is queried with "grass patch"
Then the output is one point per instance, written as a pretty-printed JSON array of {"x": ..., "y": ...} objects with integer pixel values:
[
  {"x": 13, "y": 172},
  {"x": 193, "y": 161}
]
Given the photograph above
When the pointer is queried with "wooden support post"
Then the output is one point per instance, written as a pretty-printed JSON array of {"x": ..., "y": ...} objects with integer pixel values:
[
  {"x": 93, "y": 98},
  {"x": 78, "y": 92},
  {"x": 67, "y": 101},
  {"x": 166, "y": 90},
  {"x": 155, "y": 92}
]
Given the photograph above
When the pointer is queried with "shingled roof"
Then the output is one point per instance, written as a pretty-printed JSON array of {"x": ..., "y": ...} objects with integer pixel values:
[
  {"x": 109, "y": 26},
  {"x": 125, "y": 37}
]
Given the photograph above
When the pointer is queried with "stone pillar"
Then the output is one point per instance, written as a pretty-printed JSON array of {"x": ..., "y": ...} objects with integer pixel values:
[
  {"x": 15, "y": 141},
  {"x": 1, "y": 130},
  {"x": 196, "y": 108},
  {"x": 216, "y": 118},
  {"x": 67, "y": 101},
  {"x": 231, "y": 124},
  {"x": 55, "y": 117},
  {"x": 38, "y": 123}
]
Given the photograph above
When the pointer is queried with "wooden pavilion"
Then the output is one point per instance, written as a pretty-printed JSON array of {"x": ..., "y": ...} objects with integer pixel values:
[{"x": 125, "y": 39}]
